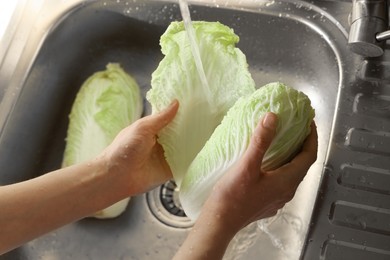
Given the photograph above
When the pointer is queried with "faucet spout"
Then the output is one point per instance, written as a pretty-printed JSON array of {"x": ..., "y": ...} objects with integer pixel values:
[{"x": 369, "y": 22}]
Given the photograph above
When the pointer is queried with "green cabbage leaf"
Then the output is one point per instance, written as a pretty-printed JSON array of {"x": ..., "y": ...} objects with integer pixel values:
[
  {"x": 176, "y": 77},
  {"x": 107, "y": 102}
]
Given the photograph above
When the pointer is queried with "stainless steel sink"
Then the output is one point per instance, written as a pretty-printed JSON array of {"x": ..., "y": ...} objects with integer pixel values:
[{"x": 58, "y": 44}]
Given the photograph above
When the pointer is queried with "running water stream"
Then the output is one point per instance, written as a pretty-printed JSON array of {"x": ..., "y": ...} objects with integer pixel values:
[{"x": 185, "y": 13}]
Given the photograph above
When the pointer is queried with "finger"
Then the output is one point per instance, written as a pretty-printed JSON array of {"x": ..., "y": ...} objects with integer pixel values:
[
  {"x": 158, "y": 121},
  {"x": 260, "y": 142},
  {"x": 165, "y": 171},
  {"x": 308, "y": 154},
  {"x": 296, "y": 170}
]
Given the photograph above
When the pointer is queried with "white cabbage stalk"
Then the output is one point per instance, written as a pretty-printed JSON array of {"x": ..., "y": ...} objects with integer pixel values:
[
  {"x": 231, "y": 138},
  {"x": 177, "y": 77},
  {"x": 107, "y": 102}
]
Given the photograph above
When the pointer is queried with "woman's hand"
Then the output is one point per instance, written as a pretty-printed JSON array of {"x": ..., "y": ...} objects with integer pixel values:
[
  {"x": 132, "y": 164},
  {"x": 136, "y": 155},
  {"x": 247, "y": 193}
]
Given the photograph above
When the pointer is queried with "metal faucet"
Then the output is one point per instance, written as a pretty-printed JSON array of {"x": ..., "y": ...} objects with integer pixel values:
[{"x": 369, "y": 27}]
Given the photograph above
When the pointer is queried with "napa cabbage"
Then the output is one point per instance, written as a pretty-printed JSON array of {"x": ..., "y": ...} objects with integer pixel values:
[
  {"x": 107, "y": 102},
  {"x": 231, "y": 138},
  {"x": 176, "y": 77}
]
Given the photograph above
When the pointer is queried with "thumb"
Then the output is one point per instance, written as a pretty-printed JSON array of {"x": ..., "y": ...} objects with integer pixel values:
[
  {"x": 260, "y": 142},
  {"x": 161, "y": 119}
]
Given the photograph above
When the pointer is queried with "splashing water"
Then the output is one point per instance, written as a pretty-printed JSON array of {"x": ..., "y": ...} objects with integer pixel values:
[
  {"x": 263, "y": 225},
  {"x": 241, "y": 242}
]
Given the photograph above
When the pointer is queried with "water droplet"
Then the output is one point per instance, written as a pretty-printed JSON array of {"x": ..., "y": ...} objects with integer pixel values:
[{"x": 363, "y": 224}]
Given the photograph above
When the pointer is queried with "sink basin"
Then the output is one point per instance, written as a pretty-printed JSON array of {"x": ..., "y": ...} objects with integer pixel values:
[{"x": 300, "y": 44}]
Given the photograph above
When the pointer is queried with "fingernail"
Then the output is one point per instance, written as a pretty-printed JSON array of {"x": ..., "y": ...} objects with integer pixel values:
[
  {"x": 270, "y": 121},
  {"x": 174, "y": 102}
]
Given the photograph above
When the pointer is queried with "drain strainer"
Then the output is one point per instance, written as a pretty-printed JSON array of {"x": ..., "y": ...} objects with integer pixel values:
[{"x": 165, "y": 205}]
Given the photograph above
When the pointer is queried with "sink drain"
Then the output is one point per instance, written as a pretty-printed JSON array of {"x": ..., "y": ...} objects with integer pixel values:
[{"x": 165, "y": 205}]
